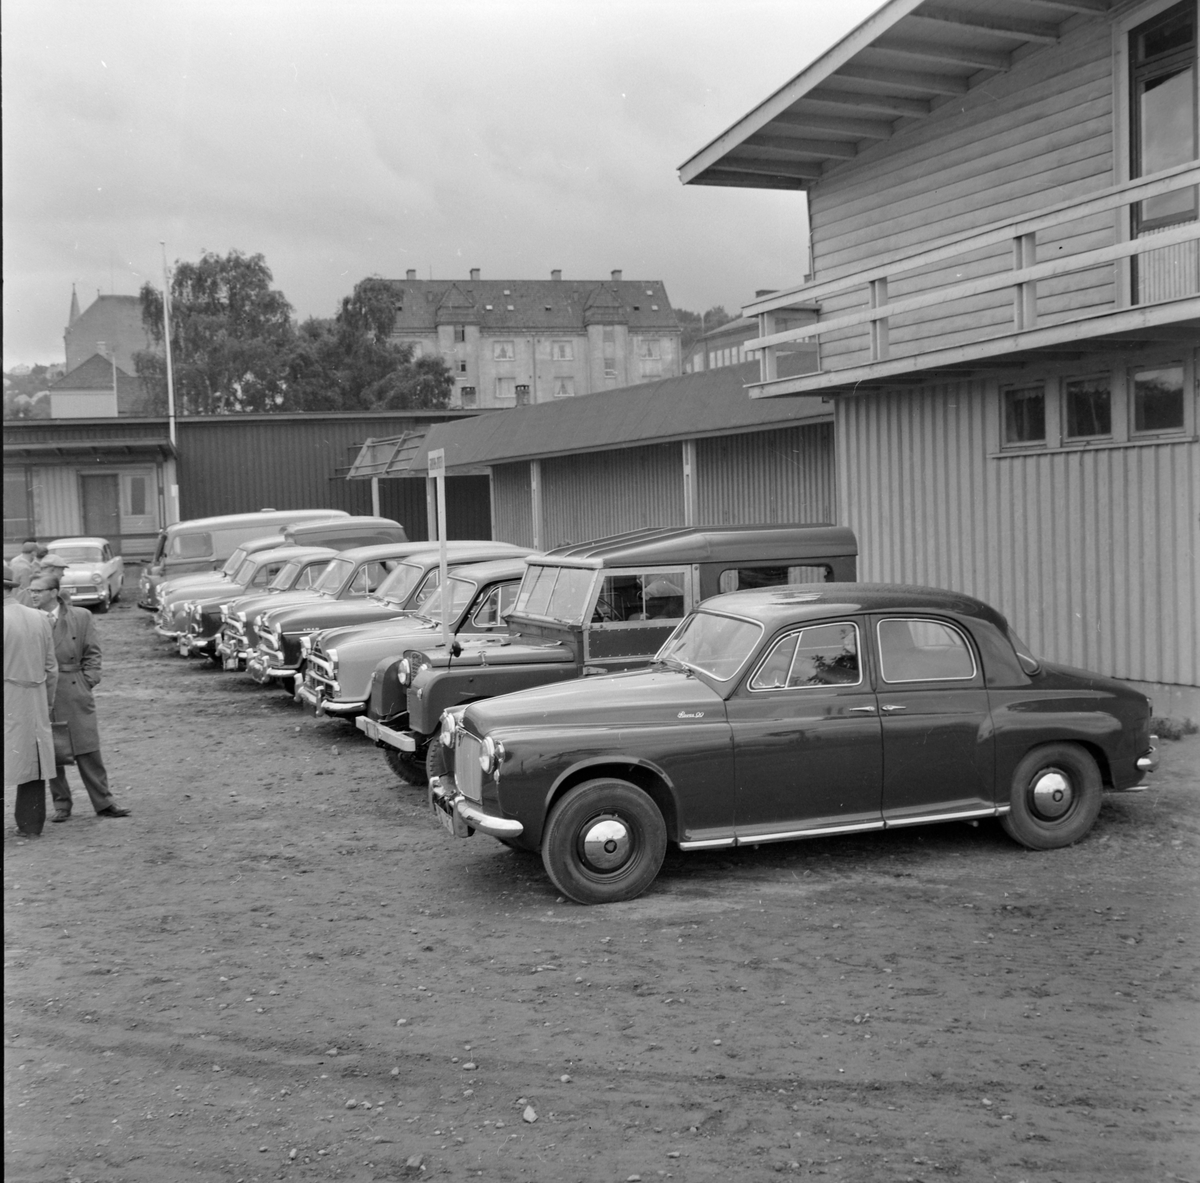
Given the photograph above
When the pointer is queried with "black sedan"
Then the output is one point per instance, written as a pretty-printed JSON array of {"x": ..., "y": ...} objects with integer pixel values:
[{"x": 788, "y": 713}]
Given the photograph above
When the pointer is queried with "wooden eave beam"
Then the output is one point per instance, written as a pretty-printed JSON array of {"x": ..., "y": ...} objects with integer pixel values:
[
  {"x": 865, "y": 102},
  {"x": 957, "y": 55},
  {"x": 735, "y": 178},
  {"x": 985, "y": 26},
  {"x": 799, "y": 148},
  {"x": 889, "y": 79},
  {"x": 839, "y": 125},
  {"x": 1074, "y": 7},
  {"x": 761, "y": 166}
]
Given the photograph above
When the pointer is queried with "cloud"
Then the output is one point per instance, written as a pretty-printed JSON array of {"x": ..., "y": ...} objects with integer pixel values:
[{"x": 358, "y": 138}]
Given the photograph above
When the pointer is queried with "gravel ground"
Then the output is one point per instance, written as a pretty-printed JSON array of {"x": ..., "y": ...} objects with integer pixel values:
[{"x": 281, "y": 968}]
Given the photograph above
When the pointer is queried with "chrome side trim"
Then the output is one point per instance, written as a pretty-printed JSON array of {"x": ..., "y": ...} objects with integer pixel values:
[
  {"x": 708, "y": 844},
  {"x": 958, "y": 816},
  {"x": 815, "y": 832}
]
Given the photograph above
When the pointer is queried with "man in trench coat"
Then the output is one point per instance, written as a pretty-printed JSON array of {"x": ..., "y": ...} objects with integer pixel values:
[
  {"x": 78, "y": 653},
  {"x": 30, "y": 677}
]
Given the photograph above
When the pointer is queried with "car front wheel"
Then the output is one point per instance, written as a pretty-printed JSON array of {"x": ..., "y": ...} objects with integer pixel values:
[
  {"x": 604, "y": 841},
  {"x": 102, "y": 606},
  {"x": 1055, "y": 797}
]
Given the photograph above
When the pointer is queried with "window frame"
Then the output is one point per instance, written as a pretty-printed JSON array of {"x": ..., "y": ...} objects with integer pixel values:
[
  {"x": 799, "y": 631},
  {"x": 976, "y": 677}
]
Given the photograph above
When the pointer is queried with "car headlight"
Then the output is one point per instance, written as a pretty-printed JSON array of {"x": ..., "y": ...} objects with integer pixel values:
[
  {"x": 492, "y": 755},
  {"x": 404, "y": 672},
  {"x": 97, "y": 577},
  {"x": 449, "y": 727},
  {"x": 331, "y": 657},
  {"x": 241, "y": 616},
  {"x": 306, "y": 645}
]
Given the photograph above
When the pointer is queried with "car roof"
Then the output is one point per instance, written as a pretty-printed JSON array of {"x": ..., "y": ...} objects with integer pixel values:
[
  {"x": 267, "y": 517},
  {"x": 79, "y": 540},
  {"x": 402, "y": 550},
  {"x": 487, "y": 551},
  {"x": 795, "y": 602},
  {"x": 291, "y": 553},
  {"x": 702, "y": 544},
  {"x": 495, "y": 569}
]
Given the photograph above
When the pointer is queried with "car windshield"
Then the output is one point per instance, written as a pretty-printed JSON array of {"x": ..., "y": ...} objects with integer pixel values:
[
  {"x": 461, "y": 593},
  {"x": 79, "y": 554},
  {"x": 285, "y": 576},
  {"x": 332, "y": 578},
  {"x": 234, "y": 561},
  {"x": 715, "y": 645},
  {"x": 245, "y": 572},
  {"x": 399, "y": 584},
  {"x": 555, "y": 593}
]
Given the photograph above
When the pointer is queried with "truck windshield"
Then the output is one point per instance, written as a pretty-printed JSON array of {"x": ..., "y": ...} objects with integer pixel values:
[
  {"x": 332, "y": 578},
  {"x": 715, "y": 645},
  {"x": 555, "y": 593}
]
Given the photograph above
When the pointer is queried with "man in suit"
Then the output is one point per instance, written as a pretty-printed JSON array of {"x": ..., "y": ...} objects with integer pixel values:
[
  {"x": 78, "y": 653},
  {"x": 30, "y": 675}
]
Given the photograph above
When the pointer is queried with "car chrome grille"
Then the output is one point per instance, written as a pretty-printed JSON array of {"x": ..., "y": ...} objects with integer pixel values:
[
  {"x": 320, "y": 670},
  {"x": 467, "y": 772}
]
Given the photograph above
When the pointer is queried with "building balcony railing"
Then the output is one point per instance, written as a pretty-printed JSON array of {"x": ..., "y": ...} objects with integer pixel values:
[{"x": 986, "y": 293}]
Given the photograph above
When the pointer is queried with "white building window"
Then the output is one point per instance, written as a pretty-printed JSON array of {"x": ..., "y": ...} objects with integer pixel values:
[
  {"x": 562, "y": 350},
  {"x": 503, "y": 351},
  {"x": 506, "y": 389},
  {"x": 648, "y": 348},
  {"x": 564, "y": 387}
]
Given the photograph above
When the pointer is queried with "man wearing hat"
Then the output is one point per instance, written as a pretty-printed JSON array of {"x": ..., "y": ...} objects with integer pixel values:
[
  {"x": 30, "y": 678},
  {"x": 78, "y": 653},
  {"x": 24, "y": 565},
  {"x": 49, "y": 564}
]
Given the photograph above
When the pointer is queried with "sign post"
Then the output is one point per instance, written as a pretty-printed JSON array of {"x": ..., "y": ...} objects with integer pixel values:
[{"x": 437, "y": 470}]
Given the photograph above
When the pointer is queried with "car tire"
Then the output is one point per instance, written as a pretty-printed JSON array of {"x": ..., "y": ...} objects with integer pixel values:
[
  {"x": 435, "y": 759},
  {"x": 410, "y": 769},
  {"x": 1055, "y": 797},
  {"x": 116, "y": 594},
  {"x": 604, "y": 841}
]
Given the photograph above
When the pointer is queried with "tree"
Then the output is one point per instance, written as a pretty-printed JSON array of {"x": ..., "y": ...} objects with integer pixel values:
[
  {"x": 232, "y": 337},
  {"x": 696, "y": 324},
  {"x": 351, "y": 362}
]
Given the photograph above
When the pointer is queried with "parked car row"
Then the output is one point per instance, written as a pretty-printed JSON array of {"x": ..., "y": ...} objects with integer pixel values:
[{"x": 707, "y": 687}]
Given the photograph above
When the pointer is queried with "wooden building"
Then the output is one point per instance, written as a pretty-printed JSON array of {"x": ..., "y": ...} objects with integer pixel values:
[{"x": 1006, "y": 263}]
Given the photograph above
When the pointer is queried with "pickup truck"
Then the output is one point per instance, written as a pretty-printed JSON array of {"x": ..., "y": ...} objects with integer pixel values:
[{"x": 594, "y": 608}]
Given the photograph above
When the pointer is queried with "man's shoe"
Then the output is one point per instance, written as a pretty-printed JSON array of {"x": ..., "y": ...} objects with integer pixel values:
[
  {"x": 28, "y": 834},
  {"x": 61, "y": 816},
  {"x": 113, "y": 811}
]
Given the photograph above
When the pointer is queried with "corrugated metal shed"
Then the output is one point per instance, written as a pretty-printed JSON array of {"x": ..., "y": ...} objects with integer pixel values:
[{"x": 711, "y": 403}]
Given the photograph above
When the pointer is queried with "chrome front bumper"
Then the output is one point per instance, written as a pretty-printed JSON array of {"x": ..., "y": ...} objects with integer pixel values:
[
  {"x": 321, "y": 705},
  {"x": 462, "y": 817},
  {"x": 1149, "y": 761},
  {"x": 262, "y": 671},
  {"x": 166, "y": 634},
  {"x": 189, "y": 643},
  {"x": 401, "y": 740}
]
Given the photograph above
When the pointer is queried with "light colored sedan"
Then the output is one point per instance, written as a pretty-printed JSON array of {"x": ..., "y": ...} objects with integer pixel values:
[{"x": 94, "y": 574}]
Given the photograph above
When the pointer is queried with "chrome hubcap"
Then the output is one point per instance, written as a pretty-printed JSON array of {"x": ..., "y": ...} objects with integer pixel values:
[
  {"x": 1052, "y": 793},
  {"x": 606, "y": 843}
]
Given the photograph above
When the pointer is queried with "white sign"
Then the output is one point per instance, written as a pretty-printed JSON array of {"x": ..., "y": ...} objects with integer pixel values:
[{"x": 437, "y": 462}]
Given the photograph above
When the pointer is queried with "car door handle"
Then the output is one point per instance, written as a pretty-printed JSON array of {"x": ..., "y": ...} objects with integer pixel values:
[
  {"x": 893, "y": 707},
  {"x": 860, "y": 710}
]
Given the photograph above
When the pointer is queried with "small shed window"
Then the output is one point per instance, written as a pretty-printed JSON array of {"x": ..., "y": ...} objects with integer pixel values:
[
  {"x": 1158, "y": 399},
  {"x": 1025, "y": 415},
  {"x": 1089, "y": 407}
]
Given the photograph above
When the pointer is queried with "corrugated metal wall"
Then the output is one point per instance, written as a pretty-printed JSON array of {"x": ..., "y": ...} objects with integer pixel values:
[
  {"x": 1093, "y": 554},
  {"x": 511, "y": 504},
  {"x": 785, "y": 475},
  {"x": 234, "y": 464},
  {"x": 56, "y": 501},
  {"x": 599, "y": 493}
]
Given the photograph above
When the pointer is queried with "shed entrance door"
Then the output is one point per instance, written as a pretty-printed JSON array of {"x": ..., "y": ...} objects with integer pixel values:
[{"x": 102, "y": 507}]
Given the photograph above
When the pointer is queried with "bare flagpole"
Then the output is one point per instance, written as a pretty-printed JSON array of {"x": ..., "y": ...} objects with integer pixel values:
[{"x": 170, "y": 373}]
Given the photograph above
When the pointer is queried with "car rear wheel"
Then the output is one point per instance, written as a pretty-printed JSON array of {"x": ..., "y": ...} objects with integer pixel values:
[
  {"x": 604, "y": 841},
  {"x": 1055, "y": 797},
  {"x": 410, "y": 768}
]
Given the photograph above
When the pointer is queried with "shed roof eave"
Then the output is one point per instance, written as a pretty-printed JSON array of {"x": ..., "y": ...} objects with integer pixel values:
[{"x": 813, "y": 74}]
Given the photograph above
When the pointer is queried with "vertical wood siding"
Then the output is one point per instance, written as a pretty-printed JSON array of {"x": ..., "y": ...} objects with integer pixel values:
[
  {"x": 511, "y": 505},
  {"x": 1035, "y": 136},
  {"x": 1092, "y": 554},
  {"x": 785, "y": 475}
]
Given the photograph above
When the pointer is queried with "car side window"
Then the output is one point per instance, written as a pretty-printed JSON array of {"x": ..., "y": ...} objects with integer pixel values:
[
  {"x": 106, "y": 554},
  {"x": 366, "y": 579},
  {"x": 495, "y": 606},
  {"x": 428, "y": 586},
  {"x": 639, "y": 596},
  {"x": 744, "y": 578},
  {"x": 823, "y": 655},
  {"x": 913, "y": 650},
  {"x": 309, "y": 576},
  {"x": 266, "y": 573}
]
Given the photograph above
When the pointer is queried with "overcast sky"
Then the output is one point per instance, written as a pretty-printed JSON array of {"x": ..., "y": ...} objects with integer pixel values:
[{"x": 347, "y": 138}]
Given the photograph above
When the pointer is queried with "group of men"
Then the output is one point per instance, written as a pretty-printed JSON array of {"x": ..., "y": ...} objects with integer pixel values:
[{"x": 51, "y": 665}]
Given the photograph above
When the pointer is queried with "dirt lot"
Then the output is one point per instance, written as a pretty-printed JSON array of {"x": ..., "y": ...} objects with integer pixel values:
[{"x": 280, "y": 968}]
